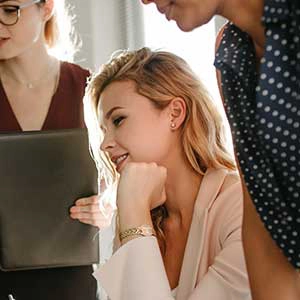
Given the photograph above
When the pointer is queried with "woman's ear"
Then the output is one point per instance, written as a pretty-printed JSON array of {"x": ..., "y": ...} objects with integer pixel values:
[
  {"x": 177, "y": 112},
  {"x": 48, "y": 9}
]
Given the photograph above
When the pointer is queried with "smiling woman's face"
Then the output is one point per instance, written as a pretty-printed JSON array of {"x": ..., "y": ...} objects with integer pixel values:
[
  {"x": 134, "y": 129},
  {"x": 188, "y": 14}
]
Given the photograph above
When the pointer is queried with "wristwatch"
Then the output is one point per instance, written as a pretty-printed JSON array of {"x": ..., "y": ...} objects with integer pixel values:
[{"x": 143, "y": 230}]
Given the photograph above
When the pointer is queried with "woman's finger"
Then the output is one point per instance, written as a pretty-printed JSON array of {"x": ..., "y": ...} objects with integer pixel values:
[
  {"x": 88, "y": 215},
  {"x": 87, "y": 200},
  {"x": 92, "y": 219},
  {"x": 87, "y": 208}
]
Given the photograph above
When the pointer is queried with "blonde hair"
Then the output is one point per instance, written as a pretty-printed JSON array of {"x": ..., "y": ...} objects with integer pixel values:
[
  {"x": 160, "y": 76},
  {"x": 59, "y": 33}
]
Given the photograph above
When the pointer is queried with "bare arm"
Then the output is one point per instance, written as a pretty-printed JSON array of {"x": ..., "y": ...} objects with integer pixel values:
[{"x": 271, "y": 275}]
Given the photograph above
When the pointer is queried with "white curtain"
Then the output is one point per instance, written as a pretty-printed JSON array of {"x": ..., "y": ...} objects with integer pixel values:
[{"x": 106, "y": 26}]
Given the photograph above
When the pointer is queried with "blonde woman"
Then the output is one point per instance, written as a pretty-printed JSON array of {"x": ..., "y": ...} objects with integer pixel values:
[
  {"x": 40, "y": 92},
  {"x": 179, "y": 199}
]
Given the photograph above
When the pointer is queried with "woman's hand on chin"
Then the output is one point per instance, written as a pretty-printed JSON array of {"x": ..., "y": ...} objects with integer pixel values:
[{"x": 141, "y": 186}]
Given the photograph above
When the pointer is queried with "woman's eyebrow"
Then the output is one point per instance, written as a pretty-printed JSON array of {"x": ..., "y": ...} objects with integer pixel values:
[
  {"x": 2, "y": 1},
  {"x": 108, "y": 114}
]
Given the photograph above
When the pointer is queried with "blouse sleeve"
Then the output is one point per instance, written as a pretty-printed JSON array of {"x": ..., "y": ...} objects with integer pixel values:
[{"x": 136, "y": 272}]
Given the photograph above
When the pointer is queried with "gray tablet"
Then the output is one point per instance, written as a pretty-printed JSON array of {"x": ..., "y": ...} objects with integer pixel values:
[{"x": 42, "y": 173}]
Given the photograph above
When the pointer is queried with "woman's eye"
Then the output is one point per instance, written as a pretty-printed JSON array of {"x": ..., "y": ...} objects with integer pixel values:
[
  {"x": 117, "y": 121},
  {"x": 9, "y": 10}
]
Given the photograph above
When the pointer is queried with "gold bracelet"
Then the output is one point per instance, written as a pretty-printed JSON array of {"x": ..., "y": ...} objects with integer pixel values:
[{"x": 143, "y": 230}]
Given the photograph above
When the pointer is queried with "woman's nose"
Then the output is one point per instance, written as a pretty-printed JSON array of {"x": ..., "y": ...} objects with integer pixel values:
[{"x": 107, "y": 143}]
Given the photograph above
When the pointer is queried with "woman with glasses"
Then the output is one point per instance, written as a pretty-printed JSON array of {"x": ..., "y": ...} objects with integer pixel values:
[{"x": 39, "y": 92}]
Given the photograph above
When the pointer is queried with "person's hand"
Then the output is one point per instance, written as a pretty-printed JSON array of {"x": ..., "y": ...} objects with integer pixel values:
[
  {"x": 141, "y": 186},
  {"x": 89, "y": 211}
]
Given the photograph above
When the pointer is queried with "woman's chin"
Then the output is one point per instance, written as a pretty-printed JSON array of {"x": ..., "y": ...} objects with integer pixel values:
[
  {"x": 186, "y": 27},
  {"x": 190, "y": 24}
]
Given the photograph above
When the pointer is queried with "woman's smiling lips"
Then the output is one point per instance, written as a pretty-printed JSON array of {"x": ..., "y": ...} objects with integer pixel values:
[{"x": 118, "y": 160}]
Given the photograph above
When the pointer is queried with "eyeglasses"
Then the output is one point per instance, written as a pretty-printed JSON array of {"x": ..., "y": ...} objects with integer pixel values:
[{"x": 10, "y": 14}]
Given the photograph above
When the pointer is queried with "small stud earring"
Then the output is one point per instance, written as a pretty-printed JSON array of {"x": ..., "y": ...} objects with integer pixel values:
[{"x": 173, "y": 125}]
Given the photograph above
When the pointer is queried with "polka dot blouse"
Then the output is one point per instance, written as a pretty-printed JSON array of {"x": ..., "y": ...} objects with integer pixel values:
[{"x": 264, "y": 114}]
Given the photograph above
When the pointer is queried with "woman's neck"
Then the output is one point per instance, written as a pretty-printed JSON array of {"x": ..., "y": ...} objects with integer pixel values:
[
  {"x": 30, "y": 66},
  {"x": 182, "y": 189}
]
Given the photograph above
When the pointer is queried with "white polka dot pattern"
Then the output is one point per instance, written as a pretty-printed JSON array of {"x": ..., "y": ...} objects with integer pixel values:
[{"x": 264, "y": 114}]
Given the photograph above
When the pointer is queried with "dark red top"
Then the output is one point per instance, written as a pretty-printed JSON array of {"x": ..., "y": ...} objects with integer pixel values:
[
  {"x": 73, "y": 283},
  {"x": 66, "y": 107}
]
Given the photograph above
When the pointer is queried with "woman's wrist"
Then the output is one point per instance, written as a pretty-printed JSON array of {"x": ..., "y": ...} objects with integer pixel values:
[
  {"x": 134, "y": 232},
  {"x": 131, "y": 218}
]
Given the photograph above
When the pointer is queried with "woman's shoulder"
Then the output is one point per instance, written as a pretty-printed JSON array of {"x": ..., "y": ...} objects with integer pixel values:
[
  {"x": 223, "y": 176},
  {"x": 74, "y": 69},
  {"x": 229, "y": 201},
  {"x": 222, "y": 186},
  {"x": 226, "y": 210},
  {"x": 73, "y": 75},
  {"x": 231, "y": 189},
  {"x": 231, "y": 180},
  {"x": 232, "y": 43},
  {"x": 231, "y": 35}
]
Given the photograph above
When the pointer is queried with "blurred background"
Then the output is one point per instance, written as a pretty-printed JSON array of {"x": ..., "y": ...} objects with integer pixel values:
[{"x": 106, "y": 26}]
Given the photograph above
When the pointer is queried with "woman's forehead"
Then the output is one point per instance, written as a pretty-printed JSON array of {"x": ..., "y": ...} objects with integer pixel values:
[
  {"x": 121, "y": 95},
  {"x": 117, "y": 93}
]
